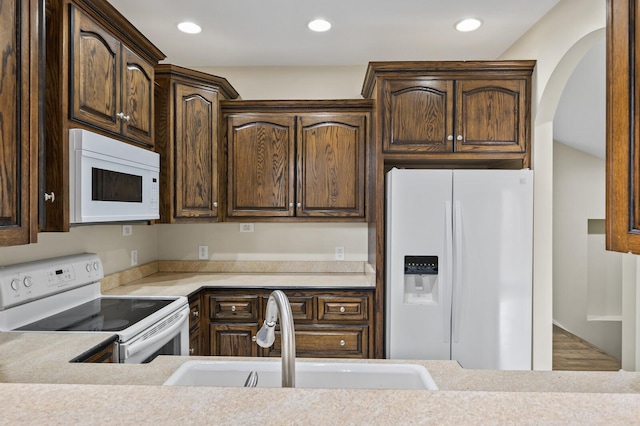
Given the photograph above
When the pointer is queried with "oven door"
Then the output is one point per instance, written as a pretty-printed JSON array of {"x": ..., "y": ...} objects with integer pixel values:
[{"x": 167, "y": 337}]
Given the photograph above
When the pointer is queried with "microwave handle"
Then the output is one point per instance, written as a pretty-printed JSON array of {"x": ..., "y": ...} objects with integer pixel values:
[{"x": 138, "y": 346}]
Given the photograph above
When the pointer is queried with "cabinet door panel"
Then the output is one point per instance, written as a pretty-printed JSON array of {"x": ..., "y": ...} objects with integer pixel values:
[
  {"x": 330, "y": 163},
  {"x": 491, "y": 115},
  {"x": 233, "y": 340},
  {"x": 417, "y": 115},
  {"x": 137, "y": 97},
  {"x": 196, "y": 185},
  {"x": 94, "y": 74},
  {"x": 260, "y": 167},
  {"x": 19, "y": 97}
]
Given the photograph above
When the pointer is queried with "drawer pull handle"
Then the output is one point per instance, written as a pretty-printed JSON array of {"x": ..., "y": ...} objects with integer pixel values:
[
  {"x": 233, "y": 308},
  {"x": 195, "y": 314},
  {"x": 342, "y": 309},
  {"x": 342, "y": 343}
]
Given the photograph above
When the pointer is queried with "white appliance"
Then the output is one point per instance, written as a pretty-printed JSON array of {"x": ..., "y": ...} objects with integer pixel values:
[
  {"x": 111, "y": 181},
  {"x": 459, "y": 266},
  {"x": 62, "y": 295}
]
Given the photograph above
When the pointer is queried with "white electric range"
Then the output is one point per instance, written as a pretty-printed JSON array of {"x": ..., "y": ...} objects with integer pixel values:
[{"x": 62, "y": 295}]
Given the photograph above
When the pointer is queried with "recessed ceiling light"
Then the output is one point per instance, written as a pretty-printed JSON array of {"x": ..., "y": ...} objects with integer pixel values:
[
  {"x": 189, "y": 27},
  {"x": 319, "y": 25},
  {"x": 470, "y": 24}
]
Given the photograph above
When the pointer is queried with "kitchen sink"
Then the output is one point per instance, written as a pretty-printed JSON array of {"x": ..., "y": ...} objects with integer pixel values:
[{"x": 339, "y": 375}]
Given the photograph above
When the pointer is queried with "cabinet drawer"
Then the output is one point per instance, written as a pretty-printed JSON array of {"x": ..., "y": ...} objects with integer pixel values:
[
  {"x": 301, "y": 307},
  {"x": 233, "y": 307},
  {"x": 343, "y": 308},
  {"x": 328, "y": 342}
]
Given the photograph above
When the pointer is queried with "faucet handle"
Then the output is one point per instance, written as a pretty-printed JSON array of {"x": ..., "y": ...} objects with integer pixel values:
[{"x": 266, "y": 335}]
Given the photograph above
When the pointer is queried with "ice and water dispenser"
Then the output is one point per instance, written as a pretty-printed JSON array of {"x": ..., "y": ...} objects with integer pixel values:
[{"x": 421, "y": 279}]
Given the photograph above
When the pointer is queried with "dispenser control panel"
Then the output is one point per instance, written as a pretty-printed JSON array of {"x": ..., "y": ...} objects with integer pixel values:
[{"x": 421, "y": 265}]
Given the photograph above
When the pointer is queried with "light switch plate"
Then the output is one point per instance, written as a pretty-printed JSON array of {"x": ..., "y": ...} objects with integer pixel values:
[
  {"x": 127, "y": 230},
  {"x": 339, "y": 253},
  {"x": 134, "y": 257}
]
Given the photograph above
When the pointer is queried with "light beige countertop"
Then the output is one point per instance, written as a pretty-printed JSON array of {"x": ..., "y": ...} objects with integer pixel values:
[
  {"x": 185, "y": 283},
  {"x": 39, "y": 386}
]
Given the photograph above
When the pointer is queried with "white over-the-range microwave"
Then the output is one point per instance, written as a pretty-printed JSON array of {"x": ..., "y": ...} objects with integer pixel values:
[{"x": 111, "y": 181}]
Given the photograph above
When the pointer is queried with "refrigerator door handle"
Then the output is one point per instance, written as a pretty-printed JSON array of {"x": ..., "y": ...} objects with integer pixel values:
[
  {"x": 448, "y": 281},
  {"x": 457, "y": 292}
]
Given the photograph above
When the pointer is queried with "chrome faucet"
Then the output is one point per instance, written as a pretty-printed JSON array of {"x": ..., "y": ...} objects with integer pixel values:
[{"x": 278, "y": 306}]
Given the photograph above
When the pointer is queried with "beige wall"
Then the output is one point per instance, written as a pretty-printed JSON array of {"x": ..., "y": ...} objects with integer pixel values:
[
  {"x": 558, "y": 42},
  {"x": 105, "y": 240}
]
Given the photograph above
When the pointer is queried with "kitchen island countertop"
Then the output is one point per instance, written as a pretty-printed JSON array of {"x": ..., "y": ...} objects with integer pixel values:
[{"x": 39, "y": 386}]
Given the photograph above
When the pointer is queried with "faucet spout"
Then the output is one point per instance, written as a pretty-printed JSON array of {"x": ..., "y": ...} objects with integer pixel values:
[{"x": 278, "y": 306}]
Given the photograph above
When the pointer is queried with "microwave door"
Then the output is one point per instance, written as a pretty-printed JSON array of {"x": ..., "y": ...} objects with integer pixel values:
[{"x": 111, "y": 190}]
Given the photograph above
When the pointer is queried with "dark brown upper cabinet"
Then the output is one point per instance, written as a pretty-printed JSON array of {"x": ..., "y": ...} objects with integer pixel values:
[
  {"x": 447, "y": 112},
  {"x": 296, "y": 159},
  {"x": 187, "y": 133},
  {"x": 20, "y": 112},
  {"x": 623, "y": 127},
  {"x": 111, "y": 86}
]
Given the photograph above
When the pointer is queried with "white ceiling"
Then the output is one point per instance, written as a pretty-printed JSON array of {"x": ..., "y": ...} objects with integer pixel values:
[{"x": 274, "y": 33}]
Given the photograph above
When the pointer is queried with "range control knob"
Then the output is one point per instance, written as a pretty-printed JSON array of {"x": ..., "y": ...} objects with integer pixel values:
[
  {"x": 96, "y": 265},
  {"x": 28, "y": 282},
  {"x": 88, "y": 267},
  {"x": 15, "y": 283}
]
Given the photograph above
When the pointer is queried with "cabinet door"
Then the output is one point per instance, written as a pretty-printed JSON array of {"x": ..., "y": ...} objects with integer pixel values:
[
  {"x": 233, "y": 340},
  {"x": 491, "y": 115},
  {"x": 196, "y": 177},
  {"x": 417, "y": 115},
  {"x": 137, "y": 98},
  {"x": 260, "y": 165},
  {"x": 331, "y": 156},
  {"x": 94, "y": 74},
  {"x": 19, "y": 125}
]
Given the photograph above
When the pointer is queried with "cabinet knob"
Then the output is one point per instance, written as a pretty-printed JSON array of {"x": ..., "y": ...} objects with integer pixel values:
[
  {"x": 215, "y": 204},
  {"x": 290, "y": 205},
  {"x": 191, "y": 351},
  {"x": 450, "y": 137},
  {"x": 299, "y": 205},
  {"x": 342, "y": 343},
  {"x": 50, "y": 197},
  {"x": 233, "y": 308},
  {"x": 196, "y": 314},
  {"x": 459, "y": 137},
  {"x": 342, "y": 309},
  {"x": 121, "y": 116}
]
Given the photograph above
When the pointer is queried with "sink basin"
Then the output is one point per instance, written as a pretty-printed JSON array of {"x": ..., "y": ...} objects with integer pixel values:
[{"x": 340, "y": 375}]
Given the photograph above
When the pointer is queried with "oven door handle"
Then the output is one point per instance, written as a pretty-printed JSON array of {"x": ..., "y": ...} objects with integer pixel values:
[{"x": 142, "y": 344}]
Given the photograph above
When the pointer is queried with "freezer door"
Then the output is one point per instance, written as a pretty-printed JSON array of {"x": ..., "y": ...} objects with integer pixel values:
[
  {"x": 492, "y": 294},
  {"x": 418, "y": 307}
]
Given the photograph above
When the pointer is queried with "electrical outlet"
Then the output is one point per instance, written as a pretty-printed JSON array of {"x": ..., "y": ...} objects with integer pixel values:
[
  {"x": 134, "y": 257},
  {"x": 246, "y": 227},
  {"x": 339, "y": 253},
  {"x": 203, "y": 252},
  {"x": 127, "y": 230}
]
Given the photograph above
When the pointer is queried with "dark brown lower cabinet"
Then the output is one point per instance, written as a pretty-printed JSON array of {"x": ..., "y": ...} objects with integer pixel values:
[{"x": 332, "y": 323}]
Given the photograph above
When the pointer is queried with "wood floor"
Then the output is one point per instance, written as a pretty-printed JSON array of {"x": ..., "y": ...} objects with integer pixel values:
[{"x": 572, "y": 353}]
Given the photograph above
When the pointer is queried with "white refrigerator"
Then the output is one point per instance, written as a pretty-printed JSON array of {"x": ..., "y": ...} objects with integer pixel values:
[{"x": 459, "y": 266}]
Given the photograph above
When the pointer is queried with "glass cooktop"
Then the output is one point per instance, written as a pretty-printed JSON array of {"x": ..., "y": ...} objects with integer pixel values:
[{"x": 102, "y": 314}]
